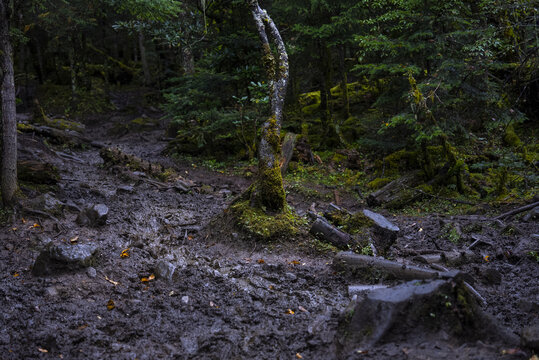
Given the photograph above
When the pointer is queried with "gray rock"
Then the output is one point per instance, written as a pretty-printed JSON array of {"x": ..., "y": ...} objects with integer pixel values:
[
  {"x": 127, "y": 189},
  {"x": 185, "y": 299},
  {"x": 93, "y": 216},
  {"x": 530, "y": 337},
  {"x": 62, "y": 257},
  {"x": 51, "y": 291},
  {"x": 385, "y": 232},
  {"x": 164, "y": 270},
  {"x": 91, "y": 272}
]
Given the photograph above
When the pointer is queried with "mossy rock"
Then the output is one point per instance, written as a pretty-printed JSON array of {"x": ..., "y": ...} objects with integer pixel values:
[
  {"x": 402, "y": 160},
  {"x": 510, "y": 138},
  {"x": 63, "y": 124},
  {"x": 256, "y": 223}
]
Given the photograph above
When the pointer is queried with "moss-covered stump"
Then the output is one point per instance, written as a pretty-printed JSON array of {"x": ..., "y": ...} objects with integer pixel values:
[
  {"x": 256, "y": 223},
  {"x": 415, "y": 312}
]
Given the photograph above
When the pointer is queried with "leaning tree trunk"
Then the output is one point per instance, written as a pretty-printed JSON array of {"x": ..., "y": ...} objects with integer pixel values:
[
  {"x": 9, "y": 122},
  {"x": 268, "y": 191}
]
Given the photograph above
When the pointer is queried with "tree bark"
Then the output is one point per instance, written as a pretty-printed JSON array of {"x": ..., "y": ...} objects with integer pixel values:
[
  {"x": 144, "y": 59},
  {"x": 268, "y": 191},
  {"x": 9, "y": 121},
  {"x": 188, "y": 60}
]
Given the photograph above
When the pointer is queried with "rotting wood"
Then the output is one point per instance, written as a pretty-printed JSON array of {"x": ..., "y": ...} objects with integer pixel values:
[
  {"x": 396, "y": 193},
  {"x": 448, "y": 257},
  {"x": 393, "y": 268},
  {"x": 322, "y": 228},
  {"x": 517, "y": 211},
  {"x": 61, "y": 136}
]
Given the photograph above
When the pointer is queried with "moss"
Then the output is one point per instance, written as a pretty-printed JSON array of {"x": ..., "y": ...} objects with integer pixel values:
[
  {"x": 262, "y": 226},
  {"x": 511, "y": 138},
  {"x": 378, "y": 183},
  {"x": 401, "y": 160},
  {"x": 64, "y": 124},
  {"x": 24, "y": 127},
  {"x": 310, "y": 102},
  {"x": 270, "y": 191}
]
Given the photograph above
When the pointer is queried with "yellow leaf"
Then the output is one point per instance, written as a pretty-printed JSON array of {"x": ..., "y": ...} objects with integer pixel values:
[
  {"x": 36, "y": 225},
  {"x": 298, "y": 356},
  {"x": 16, "y": 274},
  {"x": 290, "y": 312},
  {"x": 23, "y": 220},
  {"x": 151, "y": 277},
  {"x": 125, "y": 253},
  {"x": 261, "y": 261},
  {"x": 294, "y": 262},
  {"x": 110, "y": 304},
  {"x": 42, "y": 350},
  {"x": 74, "y": 240},
  {"x": 144, "y": 280},
  {"x": 14, "y": 229}
]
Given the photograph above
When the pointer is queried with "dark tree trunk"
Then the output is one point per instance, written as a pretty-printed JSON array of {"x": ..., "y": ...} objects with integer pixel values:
[
  {"x": 144, "y": 59},
  {"x": 188, "y": 60},
  {"x": 9, "y": 122},
  {"x": 268, "y": 191}
]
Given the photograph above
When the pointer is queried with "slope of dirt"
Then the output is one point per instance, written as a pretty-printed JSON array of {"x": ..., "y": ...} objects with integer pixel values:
[{"x": 227, "y": 298}]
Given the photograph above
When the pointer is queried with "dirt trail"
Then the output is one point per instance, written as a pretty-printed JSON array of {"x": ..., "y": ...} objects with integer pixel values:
[{"x": 226, "y": 299}]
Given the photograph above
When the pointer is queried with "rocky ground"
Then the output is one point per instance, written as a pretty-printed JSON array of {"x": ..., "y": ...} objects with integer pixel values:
[{"x": 146, "y": 275}]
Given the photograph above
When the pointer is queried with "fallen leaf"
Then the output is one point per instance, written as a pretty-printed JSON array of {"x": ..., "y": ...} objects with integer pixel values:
[
  {"x": 420, "y": 229},
  {"x": 16, "y": 274},
  {"x": 302, "y": 308},
  {"x": 74, "y": 240},
  {"x": 14, "y": 229},
  {"x": 82, "y": 327},
  {"x": 151, "y": 277},
  {"x": 515, "y": 351},
  {"x": 212, "y": 304},
  {"x": 298, "y": 355},
  {"x": 110, "y": 304},
  {"x": 36, "y": 225},
  {"x": 486, "y": 258},
  {"x": 23, "y": 220},
  {"x": 294, "y": 262},
  {"x": 125, "y": 253},
  {"x": 271, "y": 287},
  {"x": 41, "y": 350},
  {"x": 189, "y": 237},
  {"x": 362, "y": 352},
  {"x": 261, "y": 261},
  {"x": 290, "y": 312},
  {"x": 144, "y": 280},
  {"x": 111, "y": 281}
]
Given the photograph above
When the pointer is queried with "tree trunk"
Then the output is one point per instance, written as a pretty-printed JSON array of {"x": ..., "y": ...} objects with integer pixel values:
[
  {"x": 188, "y": 60},
  {"x": 268, "y": 191},
  {"x": 144, "y": 59},
  {"x": 9, "y": 121}
]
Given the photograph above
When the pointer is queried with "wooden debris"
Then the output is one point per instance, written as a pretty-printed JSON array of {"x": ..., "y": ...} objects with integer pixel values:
[
  {"x": 323, "y": 229},
  {"x": 393, "y": 268},
  {"x": 397, "y": 193},
  {"x": 517, "y": 211}
]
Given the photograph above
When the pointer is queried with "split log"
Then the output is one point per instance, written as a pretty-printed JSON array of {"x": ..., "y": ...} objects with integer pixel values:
[
  {"x": 400, "y": 271},
  {"x": 397, "y": 193},
  {"x": 330, "y": 233},
  {"x": 287, "y": 151}
]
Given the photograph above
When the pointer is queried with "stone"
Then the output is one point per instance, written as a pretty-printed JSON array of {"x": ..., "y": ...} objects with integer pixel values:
[
  {"x": 127, "y": 189},
  {"x": 530, "y": 337},
  {"x": 95, "y": 215},
  {"x": 61, "y": 257},
  {"x": 91, "y": 272},
  {"x": 164, "y": 270},
  {"x": 185, "y": 299},
  {"x": 51, "y": 291},
  {"x": 385, "y": 232}
]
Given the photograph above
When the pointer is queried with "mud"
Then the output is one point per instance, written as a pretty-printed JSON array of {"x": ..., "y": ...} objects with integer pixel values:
[{"x": 228, "y": 298}]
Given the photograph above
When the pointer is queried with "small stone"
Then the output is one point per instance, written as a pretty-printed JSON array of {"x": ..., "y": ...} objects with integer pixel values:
[
  {"x": 164, "y": 270},
  {"x": 51, "y": 291},
  {"x": 291, "y": 277},
  {"x": 185, "y": 299},
  {"x": 91, "y": 272},
  {"x": 385, "y": 232},
  {"x": 530, "y": 337},
  {"x": 94, "y": 215},
  {"x": 127, "y": 189},
  {"x": 225, "y": 193},
  {"x": 533, "y": 214}
]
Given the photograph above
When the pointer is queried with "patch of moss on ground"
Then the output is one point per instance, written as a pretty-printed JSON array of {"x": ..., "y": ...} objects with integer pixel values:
[{"x": 262, "y": 226}]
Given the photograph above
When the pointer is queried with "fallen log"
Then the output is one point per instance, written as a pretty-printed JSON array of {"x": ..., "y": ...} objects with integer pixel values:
[
  {"x": 330, "y": 233},
  {"x": 517, "y": 211},
  {"x": 69, "y": 137},
  {"x": 348, "y": 259},
  {"x": 448, "y": 257},
  {"x": 397, "y": 193}
]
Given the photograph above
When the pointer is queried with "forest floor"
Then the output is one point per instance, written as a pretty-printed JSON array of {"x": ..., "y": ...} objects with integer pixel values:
[{"x": 228, "y": 297}]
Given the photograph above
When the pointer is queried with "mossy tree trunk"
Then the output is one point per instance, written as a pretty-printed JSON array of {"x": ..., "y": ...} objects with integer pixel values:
[
  {"x": 9, "y": 121},
  {"x": 268, "y": 192}
]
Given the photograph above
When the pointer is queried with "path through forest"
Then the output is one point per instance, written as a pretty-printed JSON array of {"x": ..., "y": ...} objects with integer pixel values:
[{"x": 213, "y": 297}]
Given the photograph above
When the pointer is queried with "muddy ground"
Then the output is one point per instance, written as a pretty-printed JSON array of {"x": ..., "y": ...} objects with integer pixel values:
[{"x": 229, "y": 298}]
